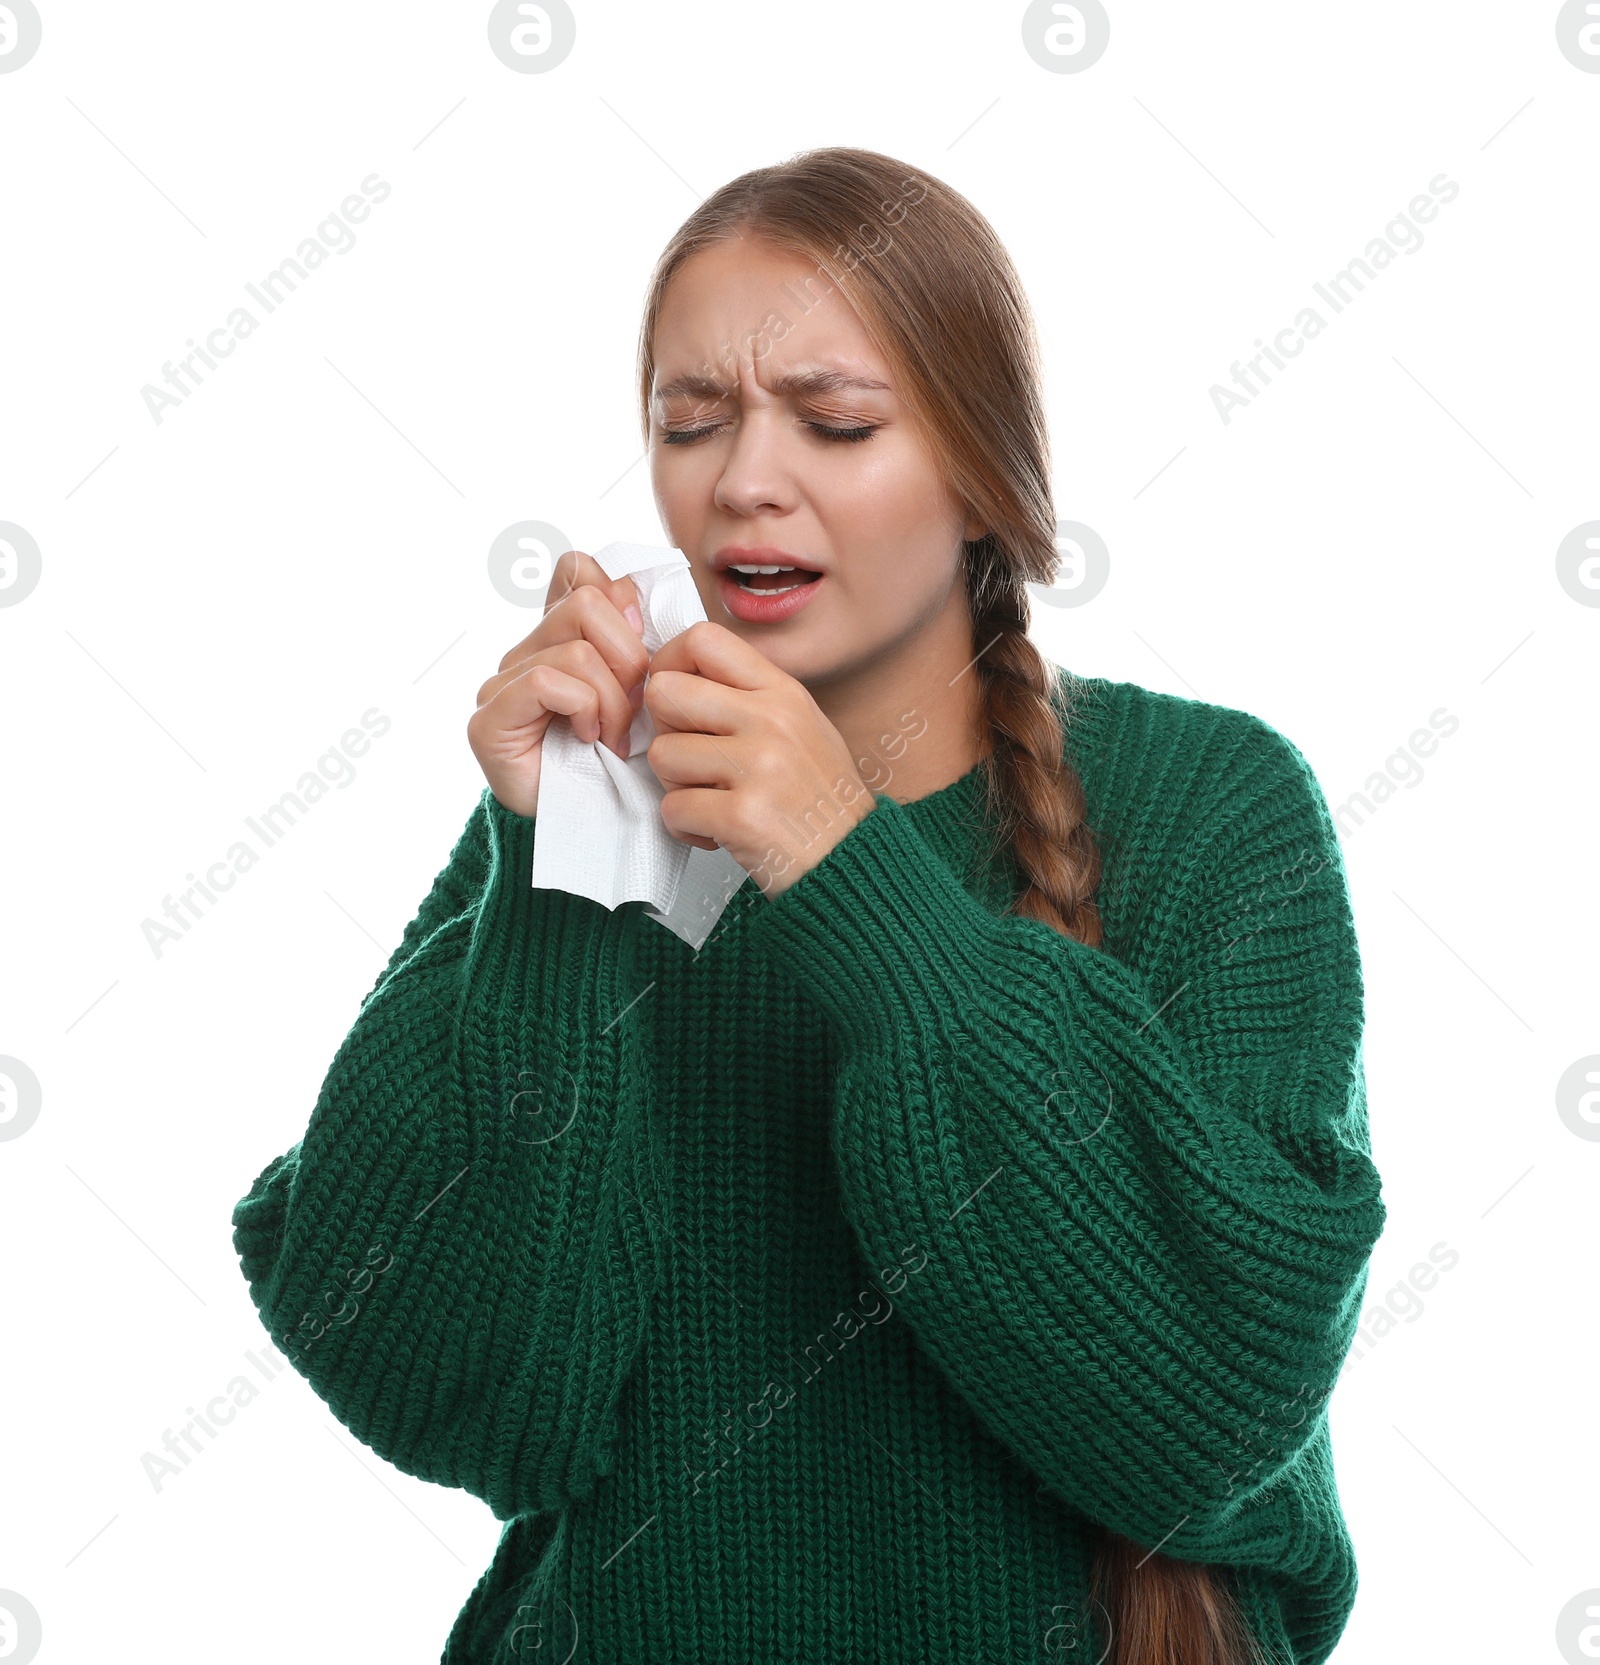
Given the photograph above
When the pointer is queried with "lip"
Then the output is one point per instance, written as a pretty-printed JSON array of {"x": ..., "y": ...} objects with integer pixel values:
[
  {"x": 751, "y": 606},
  {"x": 757, "y": 555}
]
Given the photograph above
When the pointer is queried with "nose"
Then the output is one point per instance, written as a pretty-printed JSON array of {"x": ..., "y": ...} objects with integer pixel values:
[{"x": 758, "y": 469}]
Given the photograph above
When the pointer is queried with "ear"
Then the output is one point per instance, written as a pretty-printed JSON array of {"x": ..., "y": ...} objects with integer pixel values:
[{"x": 974, "y": 529}]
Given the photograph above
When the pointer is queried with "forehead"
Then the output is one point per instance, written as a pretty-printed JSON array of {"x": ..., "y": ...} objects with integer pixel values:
[{"x": 745, "y": 308}]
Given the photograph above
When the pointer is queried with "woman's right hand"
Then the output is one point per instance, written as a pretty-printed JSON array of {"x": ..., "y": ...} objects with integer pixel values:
[{"x": 585, "y": 659}]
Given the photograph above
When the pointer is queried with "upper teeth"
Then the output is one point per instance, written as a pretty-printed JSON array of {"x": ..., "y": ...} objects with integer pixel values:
[{"x": 763, "y": 569}]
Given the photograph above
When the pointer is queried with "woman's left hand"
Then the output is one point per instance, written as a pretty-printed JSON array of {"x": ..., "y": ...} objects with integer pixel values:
[{"x": 749, "y": 761}]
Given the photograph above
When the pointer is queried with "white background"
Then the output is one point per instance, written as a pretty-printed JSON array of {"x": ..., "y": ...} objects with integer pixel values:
[{"x": 225, "y": 592}]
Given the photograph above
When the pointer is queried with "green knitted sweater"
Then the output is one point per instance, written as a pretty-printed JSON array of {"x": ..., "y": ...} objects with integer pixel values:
[{"x": 809, "y": 1296}]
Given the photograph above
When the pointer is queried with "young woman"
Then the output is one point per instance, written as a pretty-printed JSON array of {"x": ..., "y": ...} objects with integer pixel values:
[{"x": 952, "y": 1258}]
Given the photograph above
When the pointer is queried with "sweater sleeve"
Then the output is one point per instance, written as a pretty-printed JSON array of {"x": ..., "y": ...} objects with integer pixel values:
[
  {"x": 459, "y": 1252},
  {"x": 1147, "y": 1199}
]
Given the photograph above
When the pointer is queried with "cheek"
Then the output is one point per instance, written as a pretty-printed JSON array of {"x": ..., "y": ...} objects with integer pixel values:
[
  {"x": 682, "y": 491},
  {"x": 894, "y": 517}
]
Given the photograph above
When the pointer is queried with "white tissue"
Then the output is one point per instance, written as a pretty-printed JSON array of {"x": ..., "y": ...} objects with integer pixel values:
[{"x": 598, "y": 830}]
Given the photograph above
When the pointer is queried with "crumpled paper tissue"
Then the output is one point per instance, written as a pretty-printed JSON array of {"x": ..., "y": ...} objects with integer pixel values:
[{"x": 598, "y": 830}]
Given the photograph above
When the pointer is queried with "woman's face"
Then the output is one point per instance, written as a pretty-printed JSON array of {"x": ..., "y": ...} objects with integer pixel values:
[{"x": 755, "y": 358}]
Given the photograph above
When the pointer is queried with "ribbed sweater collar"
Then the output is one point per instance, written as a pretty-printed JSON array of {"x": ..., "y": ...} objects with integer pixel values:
[{"x": 955, "y": 819}]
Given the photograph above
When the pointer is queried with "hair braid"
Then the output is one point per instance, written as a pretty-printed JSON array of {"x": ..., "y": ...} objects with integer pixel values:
[{"x": 1036, "y": 797}]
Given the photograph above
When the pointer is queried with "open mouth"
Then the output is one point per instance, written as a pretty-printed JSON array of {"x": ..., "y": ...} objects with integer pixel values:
[{"x": 772, "y": 580}]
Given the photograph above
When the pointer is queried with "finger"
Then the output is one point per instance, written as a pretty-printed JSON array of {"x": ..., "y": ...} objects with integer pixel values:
[
  {"x": 696, "y": 760},
  {"x": 571, "y": 572},
  {"x": 625, "y": 594},
  {"x": 560, "y": 585},
  {"x": 712, "y": 650},
  {"x": 681, "y": 702},
  {"x": 690, "y": 813},
  {"x": 589, "y": 617},
  {"x": 576, "y": 684}
]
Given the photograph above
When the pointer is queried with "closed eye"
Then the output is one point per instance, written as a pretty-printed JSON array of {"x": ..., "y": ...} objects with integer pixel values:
[
  {"x": 843, "y": 433},
  {"x": 687, "y": 436}
]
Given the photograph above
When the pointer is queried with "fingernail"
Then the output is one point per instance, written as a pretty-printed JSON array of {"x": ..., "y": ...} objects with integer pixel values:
[{"x": 635, "y": 618}]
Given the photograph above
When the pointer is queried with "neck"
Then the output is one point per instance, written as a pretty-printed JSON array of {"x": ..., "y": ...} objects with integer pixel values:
[{"x": 911, "y": 714}]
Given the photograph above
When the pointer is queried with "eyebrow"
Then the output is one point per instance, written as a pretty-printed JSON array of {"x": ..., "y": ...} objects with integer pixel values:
[{"x": 797, "y": 381}]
